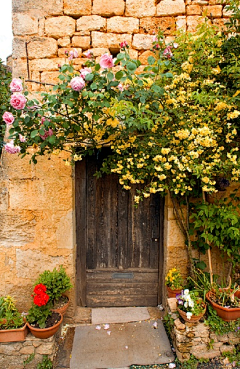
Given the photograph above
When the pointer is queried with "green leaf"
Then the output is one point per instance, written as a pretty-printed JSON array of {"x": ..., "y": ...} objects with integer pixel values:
[
  {"x": 110, "y": 76},
  {"x": 120, "y": 56},
  {"x": 89, "y": 77},
  {"x": 119, "y": 75},
  {"x": 52, "y": 139},
  {"x": 34, "y": 133},
  {"x": 131, "y": 66},
  {"x": 151, "y": 60}
]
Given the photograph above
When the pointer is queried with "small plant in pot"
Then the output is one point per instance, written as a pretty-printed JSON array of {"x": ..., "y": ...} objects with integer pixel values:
[
  {"x": 174, "y": 282},
  {"x": 57, "y": 283},
  {"x": 12, "y": 324},
  {"x": 42, "y": 321},
  {"x": 190, "y": 306}
]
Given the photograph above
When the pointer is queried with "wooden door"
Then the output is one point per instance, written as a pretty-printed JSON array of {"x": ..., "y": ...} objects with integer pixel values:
[{"x": 119, "y": 246}]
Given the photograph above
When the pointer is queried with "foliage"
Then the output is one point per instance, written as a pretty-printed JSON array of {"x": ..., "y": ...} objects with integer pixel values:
[
  {"x": 201, "y": 282},
  {"x": 168, "y": 322},
  {"x": 225, "y": 296},
  {"x": 192, "y": 363},
  {"x": 5, "y": 78},
  {"x": 29, "y": 359},
  {"x": 217, "y": 224},
  {"x": 174, "y": 279},
  {"x": 40, "y": 309},
  {"x": 46, "y": 363},
  {"x": 56, "y": 281},
  {"x": 233, "y": 357},
  {"x": 191, "y": 303},
  {"x": 10, "y": 318},
  {"x": 171, "y": 127},
  {"x": 219, "y": 326}
]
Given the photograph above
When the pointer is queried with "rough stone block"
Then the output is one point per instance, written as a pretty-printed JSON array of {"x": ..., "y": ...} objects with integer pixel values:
[
  {"x": 172, "y": 303},
  {"x": 44, "y": 47},
  {"x": 19, "y": 48},
  {"x": 77, "y": 7},
  {"x": 108, "y": 8},
  {"x": 142, "y": 42},
  {"x": 60, "y": 26},
  {"x": 123, "y": 25},
  {"x": 151, "y": 25},
  {"x": 49, "y": 7},
  {"x": 201, "y": 330},
  {"x": 181, "y": 23},
  {"x": 99, "y": 51},
  {"x": 64, "y": 42},
  {"x": 145, "y": 55},
  {"x": 45, "y": 64},
  {"x": 213, "y": 10},
  {"x": 50, "y": 77},
  {"x": 24, "y": 24},
  {"x": 140, "y": 8},
  {"x": 91, "y": 23},
  {"x": 81, "y": 41},
  {"x": 179, "y": 325},
  {"x": 27, "y": 350},
  {"x": 194, "y": 10},
  {"x": 203, "y": 353},
  {"x": 171, "y": 7},
  {"x": 192, "y": 22},
  {"x": 109, "y": 40}
]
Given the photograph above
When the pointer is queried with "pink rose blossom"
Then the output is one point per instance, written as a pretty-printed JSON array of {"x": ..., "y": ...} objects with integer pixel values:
[
  {"x": 47, "y": 134},
  {"x": 73, "y": 54},
  {"x": 22, "y": 138},
  {"x": 123, "y": 44},
  {"x": 16, "y": 85},
  {"x": 18, "y": 101},
  {"x": 167, "y": 52},
  {"x": 154, "y": 39},
  {"x": 8, "y": 117},
  {"x": 77, "y": 83},
  {"x": 106, "y": 61},
  {"x": 84, "y": 72},
  {"x": 11, "y": 149},
  {"x": 88, "y": 54},
  {"x": 120, "y": 87}
]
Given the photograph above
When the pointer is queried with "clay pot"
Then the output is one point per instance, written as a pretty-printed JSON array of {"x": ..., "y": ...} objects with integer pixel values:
[
  {"x": 13, "y": 335},
  {"x": 194, "y": 318},
  {"x": 173, "y": 293},
  {"x": 226, "y": 314},
  {"x": 44, "y": 333},
  {"x": 62, "y": 310}
]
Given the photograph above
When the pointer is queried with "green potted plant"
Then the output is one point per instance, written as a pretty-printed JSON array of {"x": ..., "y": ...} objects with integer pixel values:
[
  {"x": 41, "y": 320},
  {"x": 190, "y": 306},
  {"x": 12, "y": 324},
  {"x": 174, "y": 282},
  {"x": 57, "y": 283}
]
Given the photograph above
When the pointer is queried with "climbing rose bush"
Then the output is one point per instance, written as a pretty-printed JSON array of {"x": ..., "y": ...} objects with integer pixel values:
[{"x": 172, "y": 125}]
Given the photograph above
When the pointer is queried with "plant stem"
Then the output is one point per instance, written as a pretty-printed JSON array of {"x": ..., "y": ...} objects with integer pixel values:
[{"x": 209, "y": 250}]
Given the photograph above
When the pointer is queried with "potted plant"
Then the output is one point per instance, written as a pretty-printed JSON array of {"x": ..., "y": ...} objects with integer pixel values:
[
  {"x": 174, "y": 282},
  {"x": 226, "y": 302},
  {"x": 190, "y": 306},
  {"x": 41, "y": 320},
  {"x": 12, "y": 324},
  {"x": 57, "y": 283}
]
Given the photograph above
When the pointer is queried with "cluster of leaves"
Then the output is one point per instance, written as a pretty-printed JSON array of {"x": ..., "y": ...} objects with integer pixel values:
[
  {"x": 171, "y": 127},
  {"x": 10, "y": 318},
  {"x": 5, "y": 78},
  {"x": 37, "y": 315},
  {"x": 219, "y": 326},
  {"x": 217, "y": 224},
  {"x": 46, "y": 363},
  {"x": 56, "y": 281}
]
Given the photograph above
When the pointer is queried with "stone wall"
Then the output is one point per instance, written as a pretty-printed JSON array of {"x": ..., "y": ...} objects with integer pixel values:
[
  {"x": 37, "y": 201},
  {"x": 196, "y": 338}
]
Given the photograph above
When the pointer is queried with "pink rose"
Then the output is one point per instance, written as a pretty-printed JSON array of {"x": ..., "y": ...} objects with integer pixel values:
[
  {"x": 73, "y": 54},
  {"x": 16, "y": 85},
  {"x": 123, "y": 44},
  {"x": 77, "y": 83},
  {"x": 22, "y": 138},
  {"x": 120, "y": 87},
  {"x": 154, "y": 38},
  {"x": 47, "y": 134},
  {"x": 88, "y": 54},
  {"x": 167, "y": 52},
  {"x": 106, "y": 61},
  {"x": 84, "y": 72},
  {"x": 8, "y": 117},
  {"x": 11, "y": 149},
  {"x": 18, "y": 101}
]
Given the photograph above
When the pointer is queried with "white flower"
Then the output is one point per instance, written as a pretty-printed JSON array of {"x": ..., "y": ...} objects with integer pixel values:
[
  {"x": 191, "y": 303},
  {"x": 186, "y": 304},
  {"x": 189, "y": 315},
  {"x": 186, "y": 292}
]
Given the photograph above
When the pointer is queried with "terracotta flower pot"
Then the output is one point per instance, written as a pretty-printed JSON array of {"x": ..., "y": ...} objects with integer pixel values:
[
  {"x": 13, "y": 335},
  {"x": 45, "y": 332},
  {"x": 173, "y": 293},
  {"x": 62, "y": 310},
  {"x": 194, "y": 318},
  {"x": 226, "y": 314}
]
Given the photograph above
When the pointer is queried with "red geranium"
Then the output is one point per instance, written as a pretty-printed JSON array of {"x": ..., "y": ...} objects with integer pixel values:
[{"x": 39, "y": 289}]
